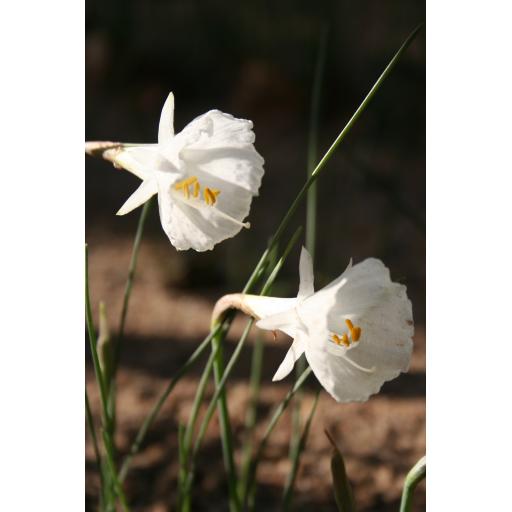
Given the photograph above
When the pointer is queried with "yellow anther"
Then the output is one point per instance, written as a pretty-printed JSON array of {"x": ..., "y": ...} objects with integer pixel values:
[
  {"x": 189, "y": 181},
  {"x": 209, "y": 196},
  {"x": 355, "y": 332},
  {"x": 336, "y": 339},
  {"x": 185, "y": 183},
  {"x": 343, "y": 340}
]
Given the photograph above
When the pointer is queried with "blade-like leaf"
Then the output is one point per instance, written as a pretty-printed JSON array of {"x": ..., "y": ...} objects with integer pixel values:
[{"x": 342, "y": 488}]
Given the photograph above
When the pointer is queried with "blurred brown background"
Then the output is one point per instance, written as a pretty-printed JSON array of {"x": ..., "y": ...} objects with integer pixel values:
[{"x": 255, "y": 60}]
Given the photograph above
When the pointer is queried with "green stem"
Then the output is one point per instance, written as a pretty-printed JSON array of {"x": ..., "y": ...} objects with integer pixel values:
[
  {"x": 270, "y": 427},
  {"x": 413, "y": 478},
  {"x": 109, "y": 449},
  {"x": 150, "y": 418},
  {"x": 92, "y": 431},
  {"x": 221, "y": 385},
  {"x": 92, "y": 343},
  {"x": 290, "y": 482},
  {"x": 116, "y": 351},
  {"x": 311, "y": 219},
  {"x": 321, "y": 164},
  {"x": 250, "y": 420},
  {"x": 313, "y": 141},
  {"x": 130, "y": 278},
  {"x": 225, "y": 424},
  {"x": 184, "y": 499}
]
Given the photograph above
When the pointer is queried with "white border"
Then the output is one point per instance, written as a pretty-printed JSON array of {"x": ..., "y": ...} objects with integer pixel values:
[
  {"x": 469, "y": 255},
  {"x": 41, "y": 258}
]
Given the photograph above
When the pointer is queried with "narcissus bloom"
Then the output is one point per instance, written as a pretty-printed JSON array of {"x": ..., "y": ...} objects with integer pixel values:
[
  {"x": 356, "y": 333},
  {"x": 205, "y": 176}
]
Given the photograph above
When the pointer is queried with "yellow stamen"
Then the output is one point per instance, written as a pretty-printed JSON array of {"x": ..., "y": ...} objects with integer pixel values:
[
  {"x": 209, "y": 194},
  {"x": 209, "y": 197},
  {"x": 355, "y": 332},
  {"x": 189, "y": 181},
  {"x": 336, "y": 339},
  {"x": 344, "y": 340}
]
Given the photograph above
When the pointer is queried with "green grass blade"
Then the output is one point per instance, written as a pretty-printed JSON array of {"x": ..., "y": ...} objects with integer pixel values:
[
  {"x": 341, "y": 485},
  {"x": 92, "y": 431},
  {"x": 109, "y": 449},
  {"x": 327, "y": 156},
  {"x": 413, "y": 478},
  {"x": 117, "y": 343},
  {"x": 221, "y": 386},
  {"x": 270, "y": 427},
  {"x": 184, "y": 499},
  {"x": 150, "y": 418},
  {"x": 225, "y": 423},
  {"x": 313, "y": 140},
  {"x": 93, "y": 346},
  {"x": 129, "y": 280},
  {"x": 251, "y": 416},
  {"x": 311, "y": 214},
  {"x": 288, "y": 489}
]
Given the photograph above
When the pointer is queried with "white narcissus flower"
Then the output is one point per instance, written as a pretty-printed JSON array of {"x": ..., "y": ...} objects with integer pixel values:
[
  {"x": 205, "y": 176},
  {"x": 356, "y": 333}
]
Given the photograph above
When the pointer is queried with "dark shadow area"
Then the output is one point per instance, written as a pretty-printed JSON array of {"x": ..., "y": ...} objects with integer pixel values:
[{"x": 164, "y": 357}]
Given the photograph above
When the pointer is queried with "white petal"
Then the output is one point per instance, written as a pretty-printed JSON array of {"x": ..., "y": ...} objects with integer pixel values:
[
  {"x": 193, "y": 224},
  {"x": 166, "y": 126},
  {"x": 146, "y": 190},
  {"x": 224, "y": 149},
  {"x": 294, "y": 352},
  {"x": 141, "y": 161},
  {"x": 306, "y": 287},
  {"x": 357, "y": 289},
  {"x": 197, "y": 227},
  {"x": 285, "y": 321}
]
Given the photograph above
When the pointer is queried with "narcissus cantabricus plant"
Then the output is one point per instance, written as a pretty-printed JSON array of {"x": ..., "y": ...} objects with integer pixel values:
[
  {"x": 356, "y": 332},
  {"x": 205, "y": 176}
]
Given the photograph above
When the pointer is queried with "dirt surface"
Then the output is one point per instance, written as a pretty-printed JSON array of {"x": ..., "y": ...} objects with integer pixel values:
[{"x": 380, "y": 439}]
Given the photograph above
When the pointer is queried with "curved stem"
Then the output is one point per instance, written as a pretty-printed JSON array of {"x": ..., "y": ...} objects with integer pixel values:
[{"x": 413, "y": 478}]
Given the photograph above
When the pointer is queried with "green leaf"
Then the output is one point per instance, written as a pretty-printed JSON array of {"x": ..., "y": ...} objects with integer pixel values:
[
  {"x": 413, "y": 478},
  {"x": 104, "y": 343},
  {"x": 342, "y": 488}
]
